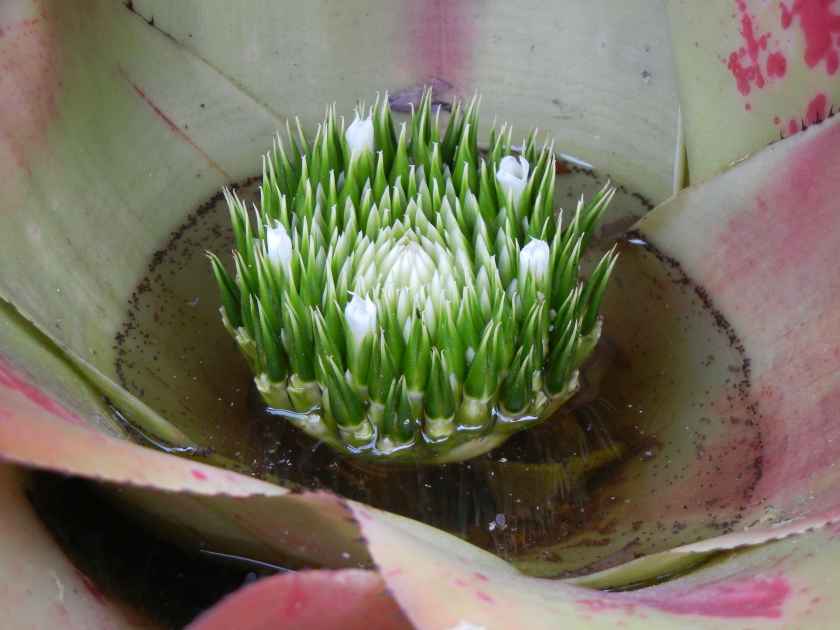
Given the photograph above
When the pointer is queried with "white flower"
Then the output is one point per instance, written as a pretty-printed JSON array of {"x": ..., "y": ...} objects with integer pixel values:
[
  {"x": 278, "y": 245},
  {"x": 359, "y": 136},
  {"x": 360, "y": 314},
  {"x": 513, "y": 175},
  {"x": 534, "y": 259}
]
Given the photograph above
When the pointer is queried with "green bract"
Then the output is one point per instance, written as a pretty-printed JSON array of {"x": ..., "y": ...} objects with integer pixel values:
[{"x": 406, "y": 295}]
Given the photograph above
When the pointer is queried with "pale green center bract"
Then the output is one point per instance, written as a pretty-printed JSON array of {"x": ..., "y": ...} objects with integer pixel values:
[{"x": 409, "y": 296}]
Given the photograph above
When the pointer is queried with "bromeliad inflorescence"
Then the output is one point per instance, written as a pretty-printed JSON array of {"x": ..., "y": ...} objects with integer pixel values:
[{"x": 409, "y": 296}]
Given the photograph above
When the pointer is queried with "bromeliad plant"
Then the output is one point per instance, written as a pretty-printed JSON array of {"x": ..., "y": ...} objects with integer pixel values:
[{"x": 406, "y": 295}]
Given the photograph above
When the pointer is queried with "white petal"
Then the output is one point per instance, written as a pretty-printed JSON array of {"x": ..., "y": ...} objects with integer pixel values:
[
  {"x": 360, "y": 314},
  {"x": 534, "y": 259},
  {"x": 512, "y": 175},
  {"x": 359, "y": 136},
  {"x": 278, "y": 245}
]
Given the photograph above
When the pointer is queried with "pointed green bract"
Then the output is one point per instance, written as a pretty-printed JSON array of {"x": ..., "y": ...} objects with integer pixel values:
[{"x": 406, "y": 292}]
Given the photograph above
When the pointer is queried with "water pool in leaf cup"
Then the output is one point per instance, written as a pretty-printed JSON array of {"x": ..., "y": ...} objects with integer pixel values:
[{"x": 558, "y": 499}]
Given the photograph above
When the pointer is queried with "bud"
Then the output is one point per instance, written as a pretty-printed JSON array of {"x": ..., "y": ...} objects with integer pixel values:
[
  {"x": 359, "y": 136},
  {"x": 360, "y": 314},
  {"x": 278, "y": 246},
  {"x": 533, "y": 259},
  {"x": 512, "y": 175}
]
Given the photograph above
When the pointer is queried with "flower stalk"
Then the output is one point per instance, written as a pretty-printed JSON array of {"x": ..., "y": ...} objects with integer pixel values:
[{"x": 402, "y": 294}]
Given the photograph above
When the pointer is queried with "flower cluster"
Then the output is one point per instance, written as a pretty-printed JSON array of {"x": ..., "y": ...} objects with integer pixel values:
[{"x": 403, "y": 294}]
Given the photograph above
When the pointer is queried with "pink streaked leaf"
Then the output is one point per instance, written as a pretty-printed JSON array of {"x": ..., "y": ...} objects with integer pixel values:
[
  {"x": 787, "y": 584},
  {"x": 750, "y": 72},
  {"x": 35, "y": 429},
  {"x": 771, "y": 243},
  {"x": 239, "y": 514},
  {"x": 316, "y": 600},
  {"x": 760, "y": 242},
  {"x": 40, "y": 587}
]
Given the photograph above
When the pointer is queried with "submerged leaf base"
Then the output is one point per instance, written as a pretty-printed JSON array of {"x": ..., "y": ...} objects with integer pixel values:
[{"x": 465, "y": 442}]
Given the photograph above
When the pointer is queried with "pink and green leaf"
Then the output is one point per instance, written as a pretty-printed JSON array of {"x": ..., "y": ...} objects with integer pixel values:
[{"x": 751, "y": 72}]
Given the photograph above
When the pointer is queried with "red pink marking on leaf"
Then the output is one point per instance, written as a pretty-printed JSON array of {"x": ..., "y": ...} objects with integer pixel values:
[
  {"x": 199, "y": 474},
  {"x": 759, "y": 597},
  {"x": 23, "y": 24},
  {"x": 817, "y": 109},
  {"x": 745, "y": 63},
  {"x": 296, "y": 598},
  {"x": 820, "y": 27},
  {"x": 441, "y": 40},
  {"x": 752, "y": 65},
  {"x": 350, "y": 599},
  {"x": 776, "y": 65},
  {"x": 775, "y": 220},
  {"x": 11, "y": 380},
  {"x": 799, "y": 442},
  {"x": 754, "y": 44},
  {"x": 29, "y": 82},
  {"x": 749, "y": 598},
  {"x": 485, "y": 597},
  {"x": 790, "y": 224}
]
